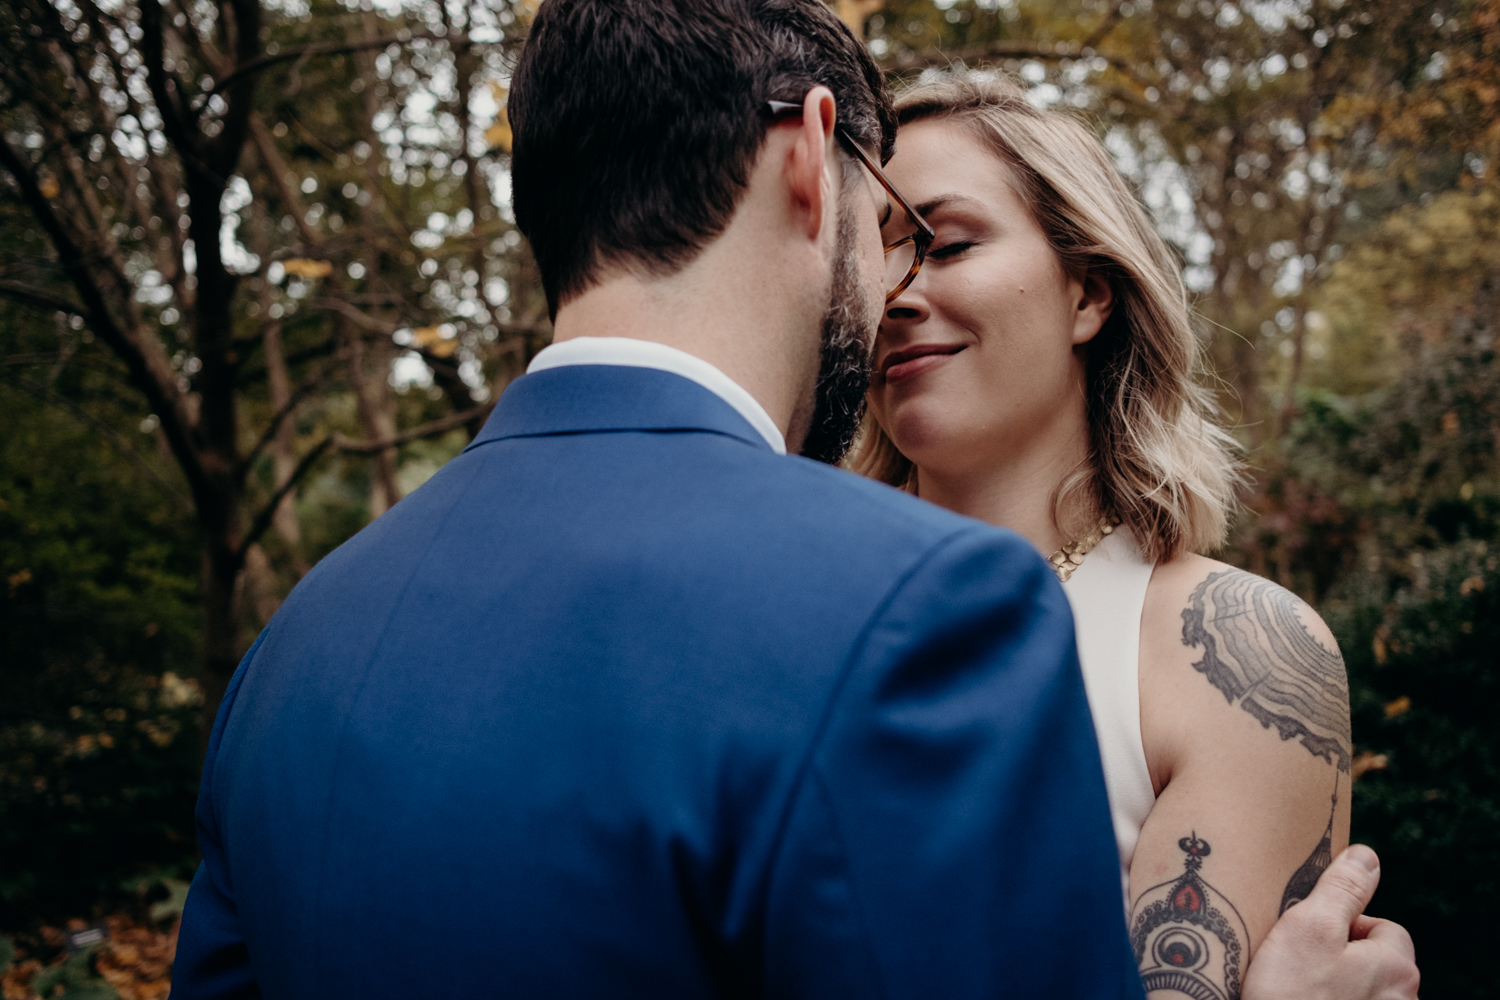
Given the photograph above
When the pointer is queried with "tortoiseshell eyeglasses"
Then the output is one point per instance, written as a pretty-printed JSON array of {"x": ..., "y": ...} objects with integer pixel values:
[{"x": 903, "y": 258}]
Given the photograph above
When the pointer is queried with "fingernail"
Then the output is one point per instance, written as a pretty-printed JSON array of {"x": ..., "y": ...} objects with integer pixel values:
[{"x": 1364, "y": 857}]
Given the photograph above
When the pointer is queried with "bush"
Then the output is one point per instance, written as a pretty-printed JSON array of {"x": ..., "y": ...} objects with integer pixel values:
[
  {"x": 99, "y": 746},
  {"x": 1424, "y": 665}
]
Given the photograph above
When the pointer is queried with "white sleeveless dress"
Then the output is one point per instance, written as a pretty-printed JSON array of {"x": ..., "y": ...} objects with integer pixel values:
[{"x": 1107, "y": 593}]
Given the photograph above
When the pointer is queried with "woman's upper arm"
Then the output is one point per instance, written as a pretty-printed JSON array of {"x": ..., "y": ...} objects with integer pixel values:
[{"x": 1245, "y": 721}]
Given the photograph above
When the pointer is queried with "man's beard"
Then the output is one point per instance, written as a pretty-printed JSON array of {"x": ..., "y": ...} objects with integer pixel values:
[{"x": 846, "y": 356}]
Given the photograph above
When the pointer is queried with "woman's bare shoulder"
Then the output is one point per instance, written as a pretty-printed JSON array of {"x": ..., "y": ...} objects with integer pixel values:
[{"x": 1262, "y": 648}]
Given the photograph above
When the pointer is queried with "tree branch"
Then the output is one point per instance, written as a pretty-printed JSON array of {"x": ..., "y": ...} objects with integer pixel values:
[
  {"x": 268, "y": 512},
  {"x": 30, "y": 359},
  {"x": 22, "y": 292},
  {"x": 245, "y": 37},
  {"x": 1002, "y": 50},
  {"x": 148, "y": 373},
  {"x": 426, "y": 430},
  {"x": 298, "y": 395},
  {"x": 165, "y": 87},
  {"x": 263, "y": 519},
  {"x": 327, "y": 49},
  {"x": 377, "y": 325},
  {"x": 1106, "y": 25},
  {"x": 358, "y": 316}
]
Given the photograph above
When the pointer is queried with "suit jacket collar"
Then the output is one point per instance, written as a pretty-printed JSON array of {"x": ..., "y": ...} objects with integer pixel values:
[{"x": 594, "y": 399}]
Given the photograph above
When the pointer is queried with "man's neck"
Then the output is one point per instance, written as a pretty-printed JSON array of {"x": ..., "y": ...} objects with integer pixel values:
[
  {"x": 754, "y": 340},
  {"x": 751, "y": 302}
]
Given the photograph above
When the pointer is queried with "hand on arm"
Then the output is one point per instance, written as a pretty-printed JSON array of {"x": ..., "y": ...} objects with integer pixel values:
[
  {"x": 1324, "y": 948},
  {"x": 1244, "y": 711}
]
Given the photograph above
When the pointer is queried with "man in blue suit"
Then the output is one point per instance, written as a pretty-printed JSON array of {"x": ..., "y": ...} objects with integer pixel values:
[{"x": 625, "y": 702}]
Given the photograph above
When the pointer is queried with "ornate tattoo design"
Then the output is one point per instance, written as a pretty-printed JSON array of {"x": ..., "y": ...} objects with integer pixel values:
[
  {"x": 1187, "y": 936},
  {"x": 1305, "y": 877},
  {"x": 1257, "y": 651}
]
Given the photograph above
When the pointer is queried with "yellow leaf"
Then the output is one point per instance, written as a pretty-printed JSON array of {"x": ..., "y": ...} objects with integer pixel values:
[
  {"x": 50, "y": 187},
  {"x": 1369, "y": 761},
  {"x": 176, "y": 692},
  {"x": 431, "y": 340},
  {"x": 498, "y": 135},
  {"x": 855, "y": 13},
  {"x": 1469, "y": 586},
  {"x": 303, "y": 267},
  {"x": 1400, "y": 706}
]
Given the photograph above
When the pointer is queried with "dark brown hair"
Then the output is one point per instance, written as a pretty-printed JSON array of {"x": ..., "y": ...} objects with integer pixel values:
[{"x": 636, "y": 122}]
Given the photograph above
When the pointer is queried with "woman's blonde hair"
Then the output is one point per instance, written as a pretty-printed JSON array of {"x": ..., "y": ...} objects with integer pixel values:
[{"x": 1157, "y": 459}]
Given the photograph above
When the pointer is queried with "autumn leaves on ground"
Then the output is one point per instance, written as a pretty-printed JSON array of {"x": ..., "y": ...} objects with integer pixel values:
[{"x": 133, "y": 963}]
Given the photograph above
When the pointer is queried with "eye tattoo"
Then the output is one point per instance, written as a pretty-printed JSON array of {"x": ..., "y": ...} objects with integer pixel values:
[{"x": 1187, "y": 936}]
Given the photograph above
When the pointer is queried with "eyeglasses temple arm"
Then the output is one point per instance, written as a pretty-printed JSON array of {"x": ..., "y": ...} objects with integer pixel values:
[{"x": 780, "y": 108}]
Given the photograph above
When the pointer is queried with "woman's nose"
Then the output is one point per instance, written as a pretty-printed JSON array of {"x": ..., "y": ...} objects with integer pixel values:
[{"x": 906, "y": 309}]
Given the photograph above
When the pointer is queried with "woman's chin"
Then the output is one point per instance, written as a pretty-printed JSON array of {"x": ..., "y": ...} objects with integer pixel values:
[{"x": 925, "y": 437}]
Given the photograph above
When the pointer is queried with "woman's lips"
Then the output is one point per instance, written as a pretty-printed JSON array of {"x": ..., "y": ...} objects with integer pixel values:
[{"x": 913, "y": 361}]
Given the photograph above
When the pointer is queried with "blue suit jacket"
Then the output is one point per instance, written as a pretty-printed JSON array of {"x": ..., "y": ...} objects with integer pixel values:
[{"x": 623, "y": 704}]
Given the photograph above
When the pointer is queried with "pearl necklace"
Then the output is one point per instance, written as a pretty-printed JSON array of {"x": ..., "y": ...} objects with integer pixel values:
[{"x": 1068, "y": 558}]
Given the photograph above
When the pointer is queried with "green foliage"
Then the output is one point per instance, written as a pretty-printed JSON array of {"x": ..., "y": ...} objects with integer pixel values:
[
  {"x": 172, "y": 906},
  {"x": 1390, "y": 504},
  {"x": 77, "y": 978},
  {"x": 1424, "y": 664},
  {"x": 98, "y": 580},
  {"x": 1405, "y": 469}
]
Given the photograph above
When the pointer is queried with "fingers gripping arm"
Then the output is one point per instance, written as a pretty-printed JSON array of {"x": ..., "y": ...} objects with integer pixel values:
[{"x": 1324, "y": 948}]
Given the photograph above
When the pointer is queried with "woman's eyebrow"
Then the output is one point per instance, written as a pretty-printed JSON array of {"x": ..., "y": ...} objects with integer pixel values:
[{"x": 943, "y": 201}]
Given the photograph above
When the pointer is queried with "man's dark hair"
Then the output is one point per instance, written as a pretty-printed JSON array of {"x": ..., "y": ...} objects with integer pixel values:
[{"x": 636, "y": 122}]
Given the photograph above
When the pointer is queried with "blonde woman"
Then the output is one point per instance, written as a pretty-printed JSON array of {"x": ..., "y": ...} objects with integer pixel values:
[{"x": 1039, "y": 373}]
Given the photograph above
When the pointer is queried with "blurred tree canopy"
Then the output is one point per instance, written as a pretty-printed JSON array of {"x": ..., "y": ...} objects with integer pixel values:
[{"x": 259, "y": 279}]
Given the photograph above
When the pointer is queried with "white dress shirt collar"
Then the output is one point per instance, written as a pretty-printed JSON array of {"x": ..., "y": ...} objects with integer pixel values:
[{"x": 632, "y": 353}]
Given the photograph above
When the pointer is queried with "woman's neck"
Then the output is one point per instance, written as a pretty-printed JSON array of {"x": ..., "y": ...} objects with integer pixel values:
[{"x": 1015, "y": 490}]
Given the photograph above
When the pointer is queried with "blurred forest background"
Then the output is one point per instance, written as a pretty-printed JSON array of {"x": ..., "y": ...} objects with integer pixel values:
[{"x": 259, "y": 279}]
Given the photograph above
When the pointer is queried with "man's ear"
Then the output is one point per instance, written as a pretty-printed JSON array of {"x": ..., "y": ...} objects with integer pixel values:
[
  {"x": 808, "y": 174},
  {"x": 1096, "y": 300}
]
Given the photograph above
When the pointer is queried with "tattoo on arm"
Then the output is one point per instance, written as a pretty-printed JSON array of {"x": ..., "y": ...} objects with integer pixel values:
[
  {"x": 1305, "y": 877},
  {"x": 1257, "y": 651},
  {"x": 1188, "y": 938}
]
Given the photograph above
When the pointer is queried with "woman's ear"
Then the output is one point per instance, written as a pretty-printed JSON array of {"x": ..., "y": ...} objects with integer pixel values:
[{"x": 1096, "y": 300}]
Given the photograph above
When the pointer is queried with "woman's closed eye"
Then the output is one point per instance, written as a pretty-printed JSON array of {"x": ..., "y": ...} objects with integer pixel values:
[{"x": 947, "y": 251}]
